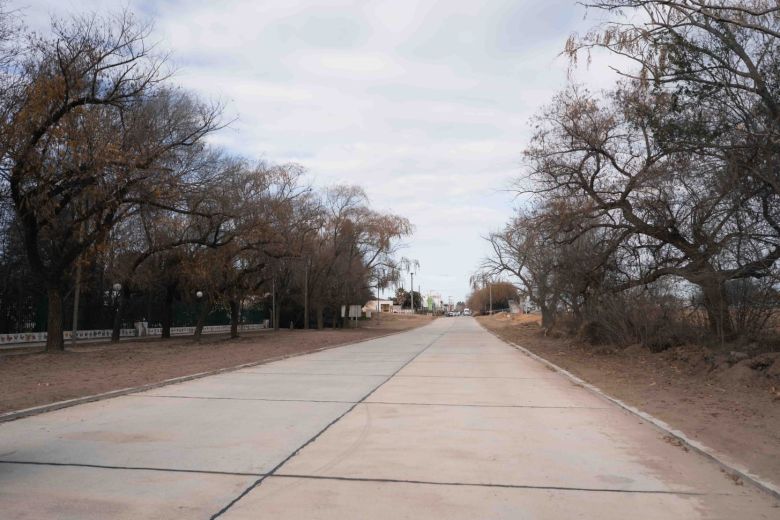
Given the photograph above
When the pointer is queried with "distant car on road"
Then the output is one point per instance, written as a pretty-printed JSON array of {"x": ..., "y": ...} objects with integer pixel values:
[{"x": 467, "y": 312}]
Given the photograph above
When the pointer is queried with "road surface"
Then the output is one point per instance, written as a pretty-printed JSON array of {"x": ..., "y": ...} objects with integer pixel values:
[{"x": 444, "y": 421}]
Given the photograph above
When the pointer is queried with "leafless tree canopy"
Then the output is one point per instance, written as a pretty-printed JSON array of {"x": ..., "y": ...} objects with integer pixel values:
[
  {"x": 107, "y": 181},
  {"x": 672, "y": 175}
]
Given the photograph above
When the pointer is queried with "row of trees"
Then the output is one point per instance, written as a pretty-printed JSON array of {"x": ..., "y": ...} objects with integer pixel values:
[
  {"x": 491, "y": 296},
  {"x": 110, "y": 192},
  {"x": 666, "y": 187}
]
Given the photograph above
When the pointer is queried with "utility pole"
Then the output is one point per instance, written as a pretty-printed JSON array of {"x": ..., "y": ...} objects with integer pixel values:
[
  {"x": 380, "y": 275},
  {"x": 306, "y": 296},
  {"x": 74, "y": 330},
  {"x": 273, "y": 303},
  {"x": 490, "y": 285},
  {"x": 76, "y": 294}
]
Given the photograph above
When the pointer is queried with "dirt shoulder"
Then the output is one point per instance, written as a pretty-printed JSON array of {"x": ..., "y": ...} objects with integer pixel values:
[
  {"x": 33, "y": 379},
  {"x": 731, "y": 405}
]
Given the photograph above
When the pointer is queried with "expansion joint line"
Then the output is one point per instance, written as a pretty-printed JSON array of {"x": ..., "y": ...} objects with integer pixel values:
[
  {"x": 128, "y": 468},
  {"x": 271, "y": 473},
  {"x": 499, "y": 486}
]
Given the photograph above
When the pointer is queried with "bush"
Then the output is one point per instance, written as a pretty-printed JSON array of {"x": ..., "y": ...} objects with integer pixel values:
[{"x": 658, "y": 322}]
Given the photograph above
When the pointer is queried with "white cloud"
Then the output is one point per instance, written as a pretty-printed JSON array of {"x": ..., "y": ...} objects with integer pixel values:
[{"x": 358, "y": 65}]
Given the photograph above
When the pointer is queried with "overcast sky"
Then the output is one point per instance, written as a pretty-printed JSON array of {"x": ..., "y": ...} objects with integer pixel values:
[{"x": 423, "y": 103}]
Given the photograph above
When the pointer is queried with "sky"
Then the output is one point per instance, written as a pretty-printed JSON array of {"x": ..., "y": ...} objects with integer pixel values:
[{"x": 425, "y": 104}]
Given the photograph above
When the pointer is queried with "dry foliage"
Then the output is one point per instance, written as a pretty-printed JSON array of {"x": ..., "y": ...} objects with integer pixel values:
[{"x": 660, "y": 197}]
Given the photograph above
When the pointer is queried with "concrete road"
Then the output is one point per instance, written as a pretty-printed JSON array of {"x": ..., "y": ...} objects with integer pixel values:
[{"x": 445, "y": 421}]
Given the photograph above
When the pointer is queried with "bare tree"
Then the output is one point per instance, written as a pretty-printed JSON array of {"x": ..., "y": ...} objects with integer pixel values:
[
  {"x": 354, "y": 249},
  {"x": 717, "y": 62},
  {"x": 89, "y": 135},
  {"x": 526, "y": 252},
  {"x": 680, "y": 215}
]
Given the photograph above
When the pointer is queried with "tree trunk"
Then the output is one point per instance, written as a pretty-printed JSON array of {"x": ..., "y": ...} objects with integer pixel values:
[
  {"x": 167, "y": 311},
  {"x": 117, "y": 328},
  {"x": 548, "y": 317},
  {"x": 717, "y": 306},
  {"x": 203, "y": 312},
  {"x": 54, "y": 339},
  {"x": 576, "y": 308},
  {"x": 320, "y": 321},
  {"x": 234, "y": 308}
]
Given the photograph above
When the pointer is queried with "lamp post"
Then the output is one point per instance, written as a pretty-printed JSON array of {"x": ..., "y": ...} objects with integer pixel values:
[
  {"x": 199, "y": 298},
  {"x": 115, "y": 330},
  {"x": 200, "y": 317},
  {"x": 411, "y": 292}
]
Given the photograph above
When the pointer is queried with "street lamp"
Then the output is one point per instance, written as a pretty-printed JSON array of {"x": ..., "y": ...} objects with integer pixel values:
[
  {"x": 117, "y": 287},
  {"x": 410, "y": 266},
  {"x": 199, "y": 297},
  {"x": 200, "y": 318}
]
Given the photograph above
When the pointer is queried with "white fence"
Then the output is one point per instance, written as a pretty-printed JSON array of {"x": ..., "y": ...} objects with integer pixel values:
[
  {"x": 208, "y": 329},
  {"x": 39, "y": 337}
]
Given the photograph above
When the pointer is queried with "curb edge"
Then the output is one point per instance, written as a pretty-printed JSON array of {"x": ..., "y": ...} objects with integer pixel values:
[{"x": 694, "y": 445}]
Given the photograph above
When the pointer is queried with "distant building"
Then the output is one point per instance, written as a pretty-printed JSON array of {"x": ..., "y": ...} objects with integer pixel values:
[
  {"x": 434, "y": 301},
  {"x": 384, "y": 306}
]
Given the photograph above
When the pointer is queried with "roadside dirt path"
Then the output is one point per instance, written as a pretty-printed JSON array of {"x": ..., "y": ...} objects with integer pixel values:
[{"x": 33, "y": 379}]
